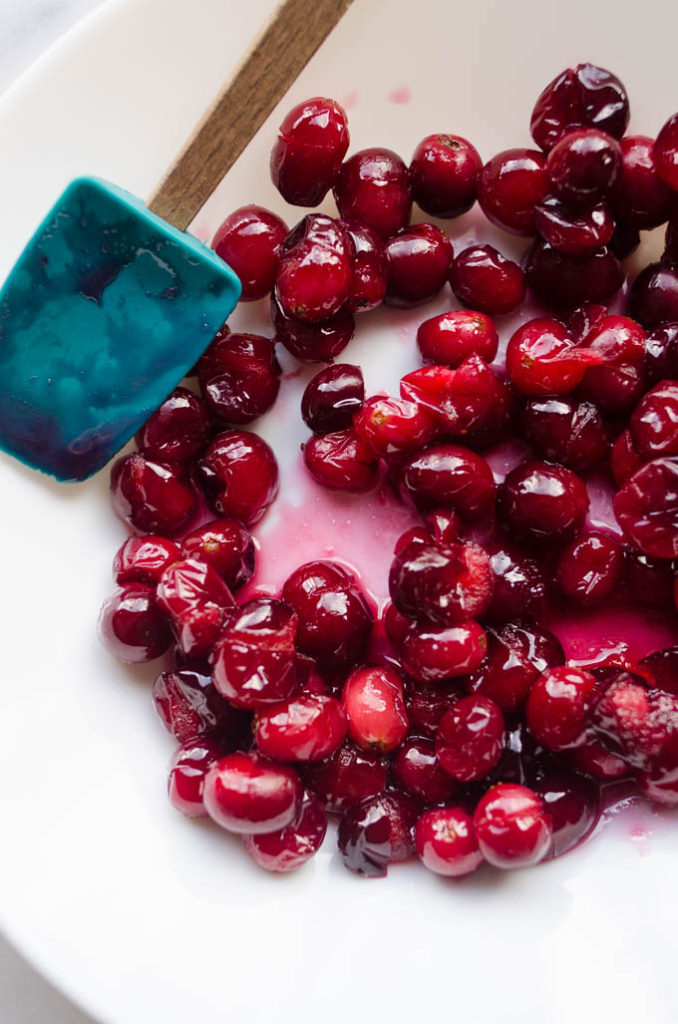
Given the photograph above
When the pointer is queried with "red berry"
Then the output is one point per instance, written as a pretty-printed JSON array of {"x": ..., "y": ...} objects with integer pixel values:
[
  {"x": 226, "y": 546},
  {"x": 483, "y": 279},
  {"x": 647, "y": 508},
  {"x": 239, "y": 475},
  {"x": 516, "y": 656},
  {"x": 305, "y": 160},
  {"x": 590, "y": 568},
  {"x": 584, "y": 96},
  {"x": 624, "y": 459},
  {"x": 144, "y": 559},
  {"x": 309, "y": 727},
  {"x": 444, "y": 172},
  {"x": 332, "y": 398},
  {"x": 541, "y": 359},
  {"x": 189, "y": 706},
  {"x": 446, "y": 842},
  {"x": 654, "y": 424},
  {"x": 441, "y": 584},
  {"x": 573, "y": 807},
  {"x": 186, "y": 782},
  {"x": 334, "y": 619},
  {"x": 572, "y": 230},
  {"x": 513, "y": 826},
  {"x": 249, "y": 241},
  {"x": 197, "y": 603},
  {"x": 239, "y": 377},
  {"x": 373, "y": 701},
  {"x": 566, "y": 430},
  {"x": 450, "y": 338},
  {"x": 347, "y": 777},
  {"x": 178, "y": 430},
  {"x": 249, "y": 794},
  {"x": 540, "y": 502},
  {"x": 510, "y": 186},
  {"x": 369, "y": 268},
  {"x": 519, "y": 586},
  {"x": 376, "y": 832},
  {"x": 431, "y": 654},
  {"x": 152, "y": 497},
  {"x": 654, "y": 296},
  {"x": 373, "y": 187},
  {"x": 650, "y": 581},
  {"x": 419, "y": 259},
  {"x": 558, "y": 706},
  {"x": 616, "y": 385},
  {"x": 341, "y": 460},
  {"x": 313, "y": 342},
  {"x": 314, "y": 277},
  {"x": 132, "y": 625},
  {"x": 661, "y": 353},
  {"x": 449, "y": 476},
  {"x": 290, "y": 847},
  {"x": 417, "y": 771},
  {"x": 391, "y": 425},
  {"x": 583, "y": 166},
  {"x": 666, "y": 153},
  {"x": 426, "y": 706},
  {"x": 639, "y": 197},
  {"x": 470, "y": 738},
  {"x": 562, "y": 282}
]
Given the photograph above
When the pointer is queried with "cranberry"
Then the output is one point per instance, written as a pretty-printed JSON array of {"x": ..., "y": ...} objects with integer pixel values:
[
  {"x": 396, "y": 625},
  {"x": 376, "y": 832},
  {"x": 444, "y": 172},
  {"x": 293, "y": 845},
  {"x": 670, "y": 254},
  {"x": 638, "y": 724},
  {"x": 470, "y": 738},
  {"x": 348, "y": 776},
  {"x": 625, "y": 240},
  {"x": 649, "y": 581},
  {"x": 313, "y": 343},
  {"x": 188, "y": 705},
  {"x": 249, "y": 794},
  {"x": 335, "y": 621},
  {"x": 369, "y": 268},
  {"x": 373, "y": 701},
  {"x": 177, "y": 431},
  {"x": 562, "y": 282},
  {"x": 254, "y": 661},
  {"x": 239, "y": 475},
  {"x": 449, "y": 476},
  {"x": 510, "y": 186},
  {"x": 573, "y": 806},
  {"x": 341, "y": 460},
  {"x": 144, "y": 559},
  {"x": 446, "y": 842},
  {"x": 592, "y": 758},
  {"x": 617, "y": 384},
  {"x": 332, "y": 398},
  {"x": 513, "y": 826},
  {"x": 431, "y": 654},
  {"x": 654, "y": 296},
  {"x": 483, "y": 279},
  {"x": 442, "y": 584},
  {"x": 661, "y": 353},
  {"x": 450, "y": 338},
  {"x": 226, "y": 546},
  {"x": 443, "y": 525},
  {"x": 152, "y": 497},
  {"x": 197, "y": 602},
  {"x": 624, "y": 459},
  {"x": 590, "y": 568},
  {"x": 186, "y": 781},
  {"x": 566, "y": 430},
  {"x": 659, "y": 785},
  {"x": 390, "y": 425},
  {"x": 541, "y": 358},
  {"x": 543, "y": 503},
  {"x": 239, "y": 377},
  {"x": 373, "y": 187},
  {"x": 519, "y": 586},
  {"x": 663, "y": 669},
  {"x": 583, "y": 166},
  {"x": 639, "y": 196},
  {"x": 574, "y": 231},
  {"x": 132, "y": 625},
  {"x": 584, "y": 320},
  {"x": 647, "y": 508},
  {"x": 654, "y": 424},
  {"x": 426, "y": 706},
  {"x": 419, "y": 259},
  {"x": 249, "y": 241},
  {"x": 516, "y": 656},
  {"x": 559, "y": 704},
  {"x": 666, "y": 153},
  {"x": 584, "y": 96},
  {"x": 305, "y": 160},
  {"x": 417, "y": 771},
  {"x": 314, "y": 278},
  {"x": 309, "y": 727}
]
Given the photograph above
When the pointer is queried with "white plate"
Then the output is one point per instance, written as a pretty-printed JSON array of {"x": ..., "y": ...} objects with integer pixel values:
[{"x": 142, "y": 916}]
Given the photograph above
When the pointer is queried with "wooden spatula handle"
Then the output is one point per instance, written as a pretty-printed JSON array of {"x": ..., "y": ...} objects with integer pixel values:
[{"x": 294, "y": 33}]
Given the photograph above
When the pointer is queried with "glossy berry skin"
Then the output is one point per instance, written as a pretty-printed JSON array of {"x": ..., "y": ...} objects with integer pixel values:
[
  {"x": 334, "y": 619},
  {"x": 516, "y": 656},
  {"x": 445, "y": 585},
  {"x": 449, "y": 476},
  {"x": 558, "y": 706},
  {"x": 132, "y": 625},
  {"x": 443, "y": 525},
  {"x": 512, "y": 826},
  {"x": 377, "y": 832},
  {"x": 186, "y": 783},
  {"x": 197, "y": 603},
  {"x": 226, "y": 546},
  {"x": 666, "y": 153},
  {"x": 590, "y": 568},
  {"x": 572, "y": 803},
  {"x": 152, "y": 497},
  {"x": 444, "y": 172},
  {"x": 573, "y": 230},
  {"x": 431, "y": 654},
  {"x": 649, "y": 580},
  {"x": 249, "y": 241},
  {"x": 309, "y": 727},
  {"x": 470, "y": 738},
  {"x": 519, "y": 586},
  {"x": 239, "y": 475},
  {"x": 450, "y": 338},
  {"x": 617, "y": 384},
  {"x": 654, "y": 296},
  {"x": 249, "y": 794},
  {"x": 239, "y": 377},
  {"x": 583, "y": 96},
  {"x": 426, "y": 705},
  {"x": 373, "y": 701},
  {"x": 510, "y": 186},
  {"x": 419, "y": 259},
  {"x": 394, "y": 425},
  {"x": 592, "y": 758},
  {"x": 313, "y": 342},
  {"x": 306, "y": 157},
  {"x": 583, "y": 166},
  {"x": 661, "y": 353},
  {"x": 342, "y": 461},
  {"x": 417, "y": 771},
  {"x": 561, "y": 282},
  {"x": 254, "y": 663},
  {"x": 541, "y": 358},
  {"x": 290, "y": 847},
  {"x": 144, "y": 559},
  {"x": 314, "y": 277},
  {"x": 639, "y": 197},
  {"x": 541, "y": 502},
  {"x": 654, "y": 423},
  {"x": 566, "y": 430},
  {"x": 369, "y": 268},
  {"x": 177, "y": 431},
  {"x": 188, "y": 705},
  {"x": 347, "y": 777},
  {"x": 446, "y": 842},
  {"x": 373, "y": 187},
  {"x": 483, "y": 279},
  {"x": 332, "y": 398},
  {"x": 647, "y": 508}
]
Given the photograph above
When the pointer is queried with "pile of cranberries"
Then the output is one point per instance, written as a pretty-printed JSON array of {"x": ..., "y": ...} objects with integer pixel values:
[{"x": 449, "y": 723}]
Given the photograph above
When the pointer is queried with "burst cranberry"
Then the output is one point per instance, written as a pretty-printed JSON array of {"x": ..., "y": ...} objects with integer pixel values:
[
  {"x": 566, "y": 430},
  {"x": 313, "y": 343},
  {"x": 444, "y": 172},
  {"x": 574, "y": 231},
  {"x": 239, "y": 377},
  {"x": 648, "y": 581},
  {"x": 249, "y": 241},
  {"x": 513, "y": 826},
  {"x": 391, "y": 425},
  {"x": 197, "y": 602},
  {"x": 348, "y": 776},
  {"x": 132, "y": 625},
  {"x": 373, "y": 701},
  {"x": 334, "y": 619},
  {"x": 516, "y": 657},
  {"x": 249, "y": 794},
  {"x": 426, "y": 706},
  {"x": 377, "y": 832},
  {"x": 309, "y": 727},
  {"x": 660, "y": 785},
  {"x": 639, "y": 196},
  {"x": 590, "y": 568},
  {"x": 584, "y": 96},
  {"x": 332, "y": 398},
  {"x": 369, "y": 268},
  {"x": 419, "y": 259},
  {"x": 446, "y": 842},
  {"x": 617, "y": 384},
  {"x": 150, "y": 496},
  {"x": 305, "y": 160},
  {"x": 186, "y": 781},
  {"x": 188, "y": 705},
  {"x": 450, "y": 338},
  {"x": 519, "y": 586},
  {"x": 541, "y": 359},
  {"x": 449, "y": 476},
  {"x": 562, "y": 282},
  {"x": 638, "y": 724},
  {"x": 225, "y": 545},
  {"x": 584, "y": 320},
  {"x": 583, "y": 166},
  {"x": 290, "y": 847},
  {"x": 663, "y": 668},
  {"x": 430, "y": 654},
  {"x": 444, "y": 525},
  {"x": 314, "y": 278},
  {"x": 666, "y": 153},
  {"x": 654, "y": 424},
  {"x": 573, "y": 806},
  {"x": 341, "y": 460},
  {"x": 177, "y": 431},
  {"x": 592, "y": 758},
  {"x": 239, "y": 475},
  {"x": 483, "y": 279},
  {"x": 470, "y": 738},
  {"x": 544, "y": 503},
  {"x": 396, "y": 625},
  {"x": 654, "y": 296},
  {"x": 647, "y": 508},
  {"x": 510, "y": 186},
  {"x": 442, "y": 584},
  {"x": 373, "y": 187},
  {"x": 661, "y": 353},
  {"x": 558, "y": 706},
  {"x": 417, "y": 771},
  {"x": 624, "y": 459},
  {"x": 625, "y": 240},
  {"x": 144, "y": 559}
]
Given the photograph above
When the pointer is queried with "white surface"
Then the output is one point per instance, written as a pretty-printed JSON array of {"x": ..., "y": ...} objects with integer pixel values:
[{"x": 140, "y": 915}]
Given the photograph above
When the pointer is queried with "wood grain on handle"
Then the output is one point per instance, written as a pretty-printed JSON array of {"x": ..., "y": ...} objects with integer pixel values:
[{"x": 294, "y": 33}]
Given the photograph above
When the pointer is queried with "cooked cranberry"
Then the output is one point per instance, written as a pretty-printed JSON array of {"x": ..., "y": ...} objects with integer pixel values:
[
  {"x": 574, "y": 231},
  {"x": 654, "y": 296},
  {"x": 559, "y": 704},
  {"x": 177, "y": 431},
  {"x": 396, "y": 625},
  {"x": 449, "y": 476},
  {"x": 590, "y": 568},
  {"x": 144, "y": 559},
  {"x": 313, "y": 343},
  {"x": 254, "y": 660},
  {"x": 584, "y": 96},
  {"x": 249, "y": 241},
  {"x": 666, "y": 153},
  {"x": 290, "y": 847},
  {"x": 654, "y": 424},
  {"x": 132, "y": 625},
  {"x": 446, "y": 842},
  {"x": 334, "y": 619},
  {"x": 197, "y": 602},
  {"x": 225, "y": 545},
  {"x": 433, "y": 653},
  {"x": 670, "y": 254},
  {"x": 309, "y": 727},
  {"x": 416, "y": 535},
  {"x": 663, "y": 668},
  {"x": 513, "y": 826},
  {"x": 661, "y": 353},
  {"x": 444, "y": 525},
  {"x": 638, "y": 724},
  {"x": 516, "y": 656},
  {"x": 660, "y": 785},
  {"x": 584, "y": 320},
  {"x": 373, "y": 701},
  {"x": 426, "y": 706},
  {"x": 470, "y": 738},
  {"x": 583, "y": 166},
  {"x": 369, "y": 268},
  {"x": 305, "y": 160},
  {"x": 348, "y": 776},
  {"x": 541, "y": 358},
  {"x": 239, "y": 377},
  {"x": 450, "y": 338},
  {"x": 647, "y": 508},
  {"x": 519, "y": 586},
  {"x": 542, "y": 502},
  {"x": 483, "y": 279},
  {"x": 341, "y": 460},
  {"x": 573, "y": 806},
  {"x": 373, "y": 187},
  {"x": 566, "y": 430},
  {"x": 444, "y": 172},
  {"x": 377, "y": 832},
  {"x": 314, "y": 278},
  {"x": 239, "y": 475},
  {"x": 186, "y": 781},
  {"x": 624, "y": 459},
  {"x": 417, "y": 771},
  {"x": 625, "y": 240},
  {"x": 419, "y": 259},
  {"x": 592, "y": 758},
  {"x": 648, "y": 581},
  {"x": 562, "y": 282},
  {"x": 152, "y": 497},
  {"x": 616, "y": 385},
  {"x": 332, "y": 398},
  {"x": 247, "y": 793},
  {"x": 188, "y": 705},
  {"x": 442, "y": 584},
  {"x": 639, "y": 196},
  {"x": 510, "y": 186}
]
